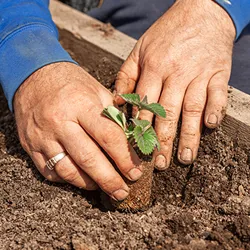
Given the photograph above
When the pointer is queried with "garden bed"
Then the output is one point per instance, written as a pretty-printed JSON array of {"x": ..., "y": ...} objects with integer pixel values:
[{"x": 202, "y": 206}]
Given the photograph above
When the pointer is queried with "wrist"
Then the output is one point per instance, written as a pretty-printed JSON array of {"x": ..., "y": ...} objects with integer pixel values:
[
  {"x": 239, "y": 12},
  {"x": 224, "y": 19},
  {"x": 209, "y": 12},
  {"x": 41, "y": 84}
]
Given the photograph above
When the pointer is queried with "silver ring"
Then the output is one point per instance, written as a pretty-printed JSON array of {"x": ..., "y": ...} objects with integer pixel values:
[{"x": 50, "y": 164}]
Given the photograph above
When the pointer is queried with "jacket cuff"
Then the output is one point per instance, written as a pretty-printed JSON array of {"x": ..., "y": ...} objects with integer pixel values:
[
  {"x": 239, "y": 11},
  {"x": 25, "y": 51}
]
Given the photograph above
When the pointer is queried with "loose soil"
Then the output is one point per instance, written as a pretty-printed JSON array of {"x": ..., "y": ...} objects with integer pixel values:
[{"x": 202, "y": 206}]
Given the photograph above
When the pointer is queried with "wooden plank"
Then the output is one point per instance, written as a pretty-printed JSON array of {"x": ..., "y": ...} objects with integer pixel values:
[
  {"x": 85, "y": 38},
  {"x": 91, "y": 30},
  {"x": 237, "y": 120}
]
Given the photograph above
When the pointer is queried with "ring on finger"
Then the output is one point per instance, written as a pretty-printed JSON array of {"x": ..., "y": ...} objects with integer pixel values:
[{"x": 50, "y": 164}]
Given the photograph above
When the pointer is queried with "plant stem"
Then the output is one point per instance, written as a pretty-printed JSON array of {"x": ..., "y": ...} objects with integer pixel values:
[{"x": 137, "y": 114}]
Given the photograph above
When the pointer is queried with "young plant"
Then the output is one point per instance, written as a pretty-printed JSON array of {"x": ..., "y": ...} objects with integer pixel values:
[
  {"x": 142, "y": 134},
  {"x": 139, "y": 131}
]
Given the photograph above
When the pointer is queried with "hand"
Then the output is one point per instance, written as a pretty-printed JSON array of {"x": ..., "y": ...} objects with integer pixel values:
[
  {"x": 59, "y": 108},
  {"x": 184, "y": 62}
]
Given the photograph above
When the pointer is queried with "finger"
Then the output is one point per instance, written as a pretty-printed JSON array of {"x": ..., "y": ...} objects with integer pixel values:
[
  {"x": 128, "y": 75},
  {"x": 113, "y": 140},
  {"x": 171, "y": 99},
  {"x": 67, "y": 169},
  {"x": 150, "y": 85},
  {"x": 192, "y": 114},
  {"x": 92, "y": 161},
  {"x": 71, "y": 173},
  {"x": 216, "y": 100},
  {"x": 40, "y": 161}
]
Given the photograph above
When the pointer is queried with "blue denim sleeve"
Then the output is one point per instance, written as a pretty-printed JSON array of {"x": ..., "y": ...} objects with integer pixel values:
[
  {"x": 28, "y": 41},
  {"x": 239, "y": 11}
]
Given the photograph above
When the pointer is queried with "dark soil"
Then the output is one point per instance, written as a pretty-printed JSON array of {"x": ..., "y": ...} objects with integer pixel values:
[{"x": 202, "y": 206}]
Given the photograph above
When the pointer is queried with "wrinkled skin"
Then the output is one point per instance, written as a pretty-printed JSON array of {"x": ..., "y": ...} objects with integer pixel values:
[
  {"x": 59, "y": 108},
  {"x": 183, "y": 61}
]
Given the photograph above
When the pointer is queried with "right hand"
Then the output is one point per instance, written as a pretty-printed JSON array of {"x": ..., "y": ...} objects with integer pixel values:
[{"x": 59, "y": 108}]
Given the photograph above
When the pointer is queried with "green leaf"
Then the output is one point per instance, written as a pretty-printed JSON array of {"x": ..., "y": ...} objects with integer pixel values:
[
  {"x": 155, "y": 108},
  {"x": 152, "y": 132},
  {"x": 115, "y": 115},
  {"x": 146, "y": 140},
  {"x": 133, "y": 99},
  {"x": 142, "y": 123}
]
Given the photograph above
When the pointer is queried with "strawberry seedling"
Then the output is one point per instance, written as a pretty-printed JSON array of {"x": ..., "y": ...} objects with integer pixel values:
[
  {"x": 141, "y": 134},
  {"x": 139, "y": 131}
]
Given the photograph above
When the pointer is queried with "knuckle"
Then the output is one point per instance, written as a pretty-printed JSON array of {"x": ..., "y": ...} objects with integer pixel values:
[
  {"x": 171, "y": 114},
  {"x": 105, "y": 183},
  {"x": 87, "y": 160},
  {"x": 53, "y": 117},
  {"x": 151, "y": 64},
  {"x": 112, "y": 136},
  {"x": 220, "y": 89},
  {"x": 108, "y": 184},
  {"x": 166, "y": 140},
  {"x": 188, "y": 134},
  {"x": 192, "y": 109},
  {"x": 175, "y": 65},
  {"x": 122, "y": 74},
  {"x": 67, "y": 173}
]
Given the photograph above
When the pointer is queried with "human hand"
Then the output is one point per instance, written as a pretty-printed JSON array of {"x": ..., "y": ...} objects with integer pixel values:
[
  {"x": 184, "y": 62},
  {"x": 59, "y": 108}
]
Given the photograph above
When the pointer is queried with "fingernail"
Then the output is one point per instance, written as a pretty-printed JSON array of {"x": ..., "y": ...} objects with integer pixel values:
[
  {"x": 160, "y": 162},
  {"x": 120, "y": 194},
  {"x": 135, "y": 174},
  {"x": 212, "y": 119},
  {"x": 186, "y": 155}
]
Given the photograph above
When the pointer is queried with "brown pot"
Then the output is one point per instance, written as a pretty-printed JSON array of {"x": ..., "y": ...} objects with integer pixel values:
[{"x": 140, "y": 191}]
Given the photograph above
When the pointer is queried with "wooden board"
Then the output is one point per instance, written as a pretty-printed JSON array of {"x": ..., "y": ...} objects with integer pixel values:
[{"x": 86, "y": 38}]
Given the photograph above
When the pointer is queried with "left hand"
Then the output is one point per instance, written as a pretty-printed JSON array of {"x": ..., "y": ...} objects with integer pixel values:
[{"x": 183, "y": 62}]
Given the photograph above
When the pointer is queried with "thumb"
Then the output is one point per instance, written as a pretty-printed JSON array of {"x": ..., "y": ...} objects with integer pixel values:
[{"x": 127, "y": 76}]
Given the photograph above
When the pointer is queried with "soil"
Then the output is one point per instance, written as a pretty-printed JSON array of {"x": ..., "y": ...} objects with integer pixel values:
[{"x": 202, "y": 206}]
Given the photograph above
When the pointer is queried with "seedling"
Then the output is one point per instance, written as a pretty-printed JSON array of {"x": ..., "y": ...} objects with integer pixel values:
[{"x": 139, "y": 131}]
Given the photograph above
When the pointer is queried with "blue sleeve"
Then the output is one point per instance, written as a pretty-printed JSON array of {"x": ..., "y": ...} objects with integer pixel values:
[
  {"x": 239, "y": 11},
  {"x": 28, "y": 41}
]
